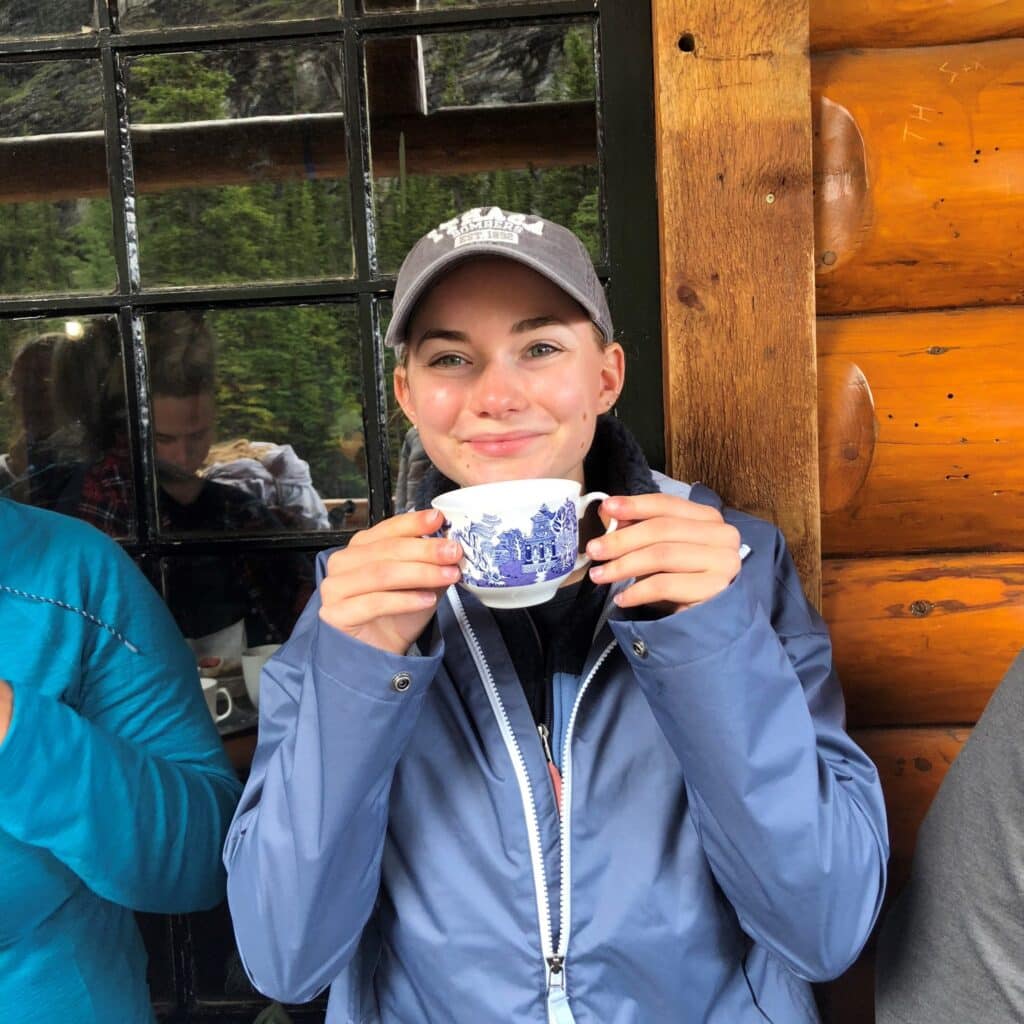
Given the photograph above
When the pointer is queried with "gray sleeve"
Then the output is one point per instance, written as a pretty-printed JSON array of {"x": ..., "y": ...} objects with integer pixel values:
[{"x": 952, "y": 948}]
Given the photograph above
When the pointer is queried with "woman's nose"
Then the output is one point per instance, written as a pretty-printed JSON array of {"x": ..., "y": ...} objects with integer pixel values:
[{"x": 498, "y": 390}]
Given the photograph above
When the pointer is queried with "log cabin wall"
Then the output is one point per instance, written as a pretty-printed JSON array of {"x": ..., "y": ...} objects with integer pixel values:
[
  {"x": 918, "y": 113},
  {"x": 911, "y": 397}
]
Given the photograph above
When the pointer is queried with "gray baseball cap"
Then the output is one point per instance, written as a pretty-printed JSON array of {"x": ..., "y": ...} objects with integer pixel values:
[{"x": 540, "y": 244}]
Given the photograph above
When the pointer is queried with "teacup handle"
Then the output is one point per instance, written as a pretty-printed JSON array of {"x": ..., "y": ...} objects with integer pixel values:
[
  {"x": 230, "y": 707},
  {"x": 582, "y": 504}
]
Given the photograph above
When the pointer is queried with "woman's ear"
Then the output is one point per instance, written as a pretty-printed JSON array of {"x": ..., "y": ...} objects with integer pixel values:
[
  {"x": 613, "y": 374},
  {"x": 403, "y": 395}
]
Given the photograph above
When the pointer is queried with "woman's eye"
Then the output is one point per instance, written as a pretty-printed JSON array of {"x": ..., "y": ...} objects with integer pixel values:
[
  {"x": 541, "y": 348},
  {"x": 448, "y": 359}
]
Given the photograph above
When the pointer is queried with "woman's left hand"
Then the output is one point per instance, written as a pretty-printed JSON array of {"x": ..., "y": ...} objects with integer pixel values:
[{"x": 680, "y": 552}]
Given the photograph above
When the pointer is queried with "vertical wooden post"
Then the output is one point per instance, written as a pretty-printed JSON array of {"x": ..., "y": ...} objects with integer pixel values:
[{"x": 732, "y": 87}]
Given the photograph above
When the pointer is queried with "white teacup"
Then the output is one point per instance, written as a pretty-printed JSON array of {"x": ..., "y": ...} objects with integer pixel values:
[
  {"x": 520, "y": 538},
  {"x": 211, "y": 691},
  {"x": 253, "y": 660}
]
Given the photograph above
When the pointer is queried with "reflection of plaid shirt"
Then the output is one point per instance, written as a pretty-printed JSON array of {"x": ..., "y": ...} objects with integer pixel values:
[{"x": 107, "y": 498}]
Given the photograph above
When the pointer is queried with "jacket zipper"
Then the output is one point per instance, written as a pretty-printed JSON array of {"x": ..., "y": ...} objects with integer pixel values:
[
  {"x": 556, "y": 775},
  {"x": 558, "y": 1008}
]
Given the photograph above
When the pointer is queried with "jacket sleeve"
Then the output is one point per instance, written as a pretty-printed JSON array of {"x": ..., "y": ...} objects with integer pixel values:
[
  {"x": 124, "y": 780},
  {"x": 304, "y": 851},
  {"x": 789, "y": 809}
]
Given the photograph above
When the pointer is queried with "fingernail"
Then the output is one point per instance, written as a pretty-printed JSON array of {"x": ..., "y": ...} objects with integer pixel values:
[
  {"x": 449, "y": 549},
  {"x": 597, "y": 573},
  {"x": 595, "y": 549},
  {"x": 450, "y": 572}
]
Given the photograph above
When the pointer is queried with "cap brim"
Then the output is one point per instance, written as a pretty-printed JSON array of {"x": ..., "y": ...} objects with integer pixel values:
[{"x": 397, "y": 327}]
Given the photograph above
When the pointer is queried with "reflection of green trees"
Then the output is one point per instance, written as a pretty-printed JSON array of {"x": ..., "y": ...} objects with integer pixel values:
[
  {"x": 292, "y": 375},
  {"x": 286, "y": 375},
  {"x": 408, "y": 206}
]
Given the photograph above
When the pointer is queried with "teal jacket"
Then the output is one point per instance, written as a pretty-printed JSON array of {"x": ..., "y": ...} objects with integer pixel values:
[{"x": 115, "y": 793}]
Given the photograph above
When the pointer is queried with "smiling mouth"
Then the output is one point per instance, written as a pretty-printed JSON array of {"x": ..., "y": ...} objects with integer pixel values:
[{"x": 501, "y": 444}]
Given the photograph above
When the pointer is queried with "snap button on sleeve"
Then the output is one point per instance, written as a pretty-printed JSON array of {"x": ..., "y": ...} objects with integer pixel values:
[
  {"x": 640, "y": 648},
  {"x": 401, "y": 681}
]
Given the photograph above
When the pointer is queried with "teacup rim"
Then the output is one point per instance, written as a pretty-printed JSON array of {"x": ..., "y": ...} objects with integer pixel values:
[{"x": 466, "y": 495}]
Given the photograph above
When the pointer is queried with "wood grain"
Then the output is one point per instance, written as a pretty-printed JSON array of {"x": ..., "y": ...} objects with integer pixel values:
[
  {"x": 734, "y": 168},
  {"x": 922, "y": 432},
  {"x": 923, "y": 640},
  {"x": 844, "y": 24},
  {"x": 919, "y": 175},
  {"x": 911, "y": 766}
]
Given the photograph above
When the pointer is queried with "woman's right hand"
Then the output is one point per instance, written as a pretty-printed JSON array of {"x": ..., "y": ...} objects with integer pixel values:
[{"x": 383, "y": 588}]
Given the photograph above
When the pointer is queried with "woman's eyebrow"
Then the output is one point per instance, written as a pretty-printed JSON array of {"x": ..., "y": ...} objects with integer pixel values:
[
  {"x": 444, "y": 335},
  {"x": 536, "y": 322}
]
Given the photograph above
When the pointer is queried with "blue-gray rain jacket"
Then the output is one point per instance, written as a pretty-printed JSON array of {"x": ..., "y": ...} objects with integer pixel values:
[{"x": 723, "y": 842}]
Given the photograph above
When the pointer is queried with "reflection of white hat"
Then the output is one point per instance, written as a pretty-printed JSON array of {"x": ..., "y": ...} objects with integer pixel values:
[{"x": 546, "y": 247}]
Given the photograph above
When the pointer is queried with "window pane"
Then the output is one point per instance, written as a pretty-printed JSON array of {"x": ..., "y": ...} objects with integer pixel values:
[
  {"x": 257, "y": 419},
  {"x": 240, "y": 165},
  {"x": 156, "y": 935},
  {"x": 55, "y": 226},
  {"x": 46, "y": 17},
  {"x": 500, "y": 117},
  {"x": 218, "y": 971},
  {"x": 224, "y": 604},
  {"x": 143, "y": 14},
  {"x": 63, "y": 425},
  {"x": 405, "y": 456}
]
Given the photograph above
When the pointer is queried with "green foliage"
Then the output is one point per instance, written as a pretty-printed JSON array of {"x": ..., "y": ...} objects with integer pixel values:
[
  {"x": 293, "y": 374},
  {"x": 177, "y": 87}
]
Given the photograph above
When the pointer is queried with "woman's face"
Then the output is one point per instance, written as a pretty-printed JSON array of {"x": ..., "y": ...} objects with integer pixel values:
[{"x": 505, "y": 378}]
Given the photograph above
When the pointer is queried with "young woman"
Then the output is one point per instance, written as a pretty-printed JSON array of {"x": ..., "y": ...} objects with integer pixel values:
[{"x": 635, "y": 804}]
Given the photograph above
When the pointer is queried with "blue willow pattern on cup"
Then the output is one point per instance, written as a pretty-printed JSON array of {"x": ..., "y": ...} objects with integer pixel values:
[{"x": 509, "y": 558}]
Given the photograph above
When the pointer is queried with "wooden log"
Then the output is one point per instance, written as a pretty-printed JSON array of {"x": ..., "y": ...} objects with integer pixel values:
[
  {"x": 919, "y": 177},
  {"x": 923, "y": 640},
  {"x": 844, "y": 24},
  {"x": 911, "y": 766},
  {"x": 308, "y": 146},
  {"x": 733, "y": 144},
  {"x": 921, "y": 433}
]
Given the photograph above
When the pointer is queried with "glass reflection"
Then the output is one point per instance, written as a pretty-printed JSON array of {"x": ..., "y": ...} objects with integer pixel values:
[
  {"x": 156, "y": 936},
  {"x": 500, "y": 117},
  {"x": 63, "y": 420},
  {"x": 257, "y": 419},
  {"x": 406, "y": 458},
  {"x": 46, "y": 17},
  {"x": 143, "y": 14},
  {"x": 224, "y": 604},
  {"x": 55, "y": 222},
  {"x": 240, "y": 165}
]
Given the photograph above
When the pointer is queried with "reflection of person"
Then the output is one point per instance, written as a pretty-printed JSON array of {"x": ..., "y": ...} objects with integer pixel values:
[
  {"x": 208, "y": 594},
  {"x": 25, "y": 466},
  {"x": 952, "y": 947},
  {"x": 114, "y": 789},
  {"x": 721, "y": 839}
]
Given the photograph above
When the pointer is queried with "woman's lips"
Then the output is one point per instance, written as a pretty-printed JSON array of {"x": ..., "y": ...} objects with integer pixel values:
[{"x": 497, "y": 445}]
